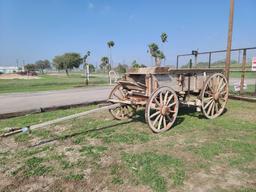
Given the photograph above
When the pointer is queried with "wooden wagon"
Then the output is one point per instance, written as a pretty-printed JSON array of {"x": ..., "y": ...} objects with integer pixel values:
[{"x": 161, "y": 90}]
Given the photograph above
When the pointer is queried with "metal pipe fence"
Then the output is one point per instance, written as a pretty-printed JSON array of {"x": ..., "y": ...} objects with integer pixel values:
[{"x": 242, "y": 79}]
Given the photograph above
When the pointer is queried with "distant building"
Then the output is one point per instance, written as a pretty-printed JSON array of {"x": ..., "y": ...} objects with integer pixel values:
[{"x": 6, "y": 69}]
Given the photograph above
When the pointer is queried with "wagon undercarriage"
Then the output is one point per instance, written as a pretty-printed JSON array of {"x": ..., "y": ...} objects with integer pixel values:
[{"x": 161, "y": 90}]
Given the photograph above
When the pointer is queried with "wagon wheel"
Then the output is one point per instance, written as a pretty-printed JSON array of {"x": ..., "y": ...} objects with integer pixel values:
[
  {"x": 214, "y": 95},
  {"x": 162, "y": 109},
  {"x": 124, "y": 111}
]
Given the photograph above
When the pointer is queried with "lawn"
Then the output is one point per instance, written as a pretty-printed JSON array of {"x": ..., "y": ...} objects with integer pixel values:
[
  {"x": 248, "y": 74},
  {"x": 51, "y": 82},
  {"x": 97, "y": 153}
]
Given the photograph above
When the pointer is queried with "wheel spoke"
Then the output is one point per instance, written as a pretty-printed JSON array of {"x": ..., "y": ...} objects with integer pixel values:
[
  {"x": 169, "y": 99},
  {"x": 118, "y": 111},
  {"x": 216, "y": 107},
  {"x": 209, "y": 93},
  {"x": 161, "y": 98},
  {"x": 223, "y": 92},
  {"x": 153, "y": 106},
  {"x": 165, "y": 122},
  {"x": 154, "y": 114},
  {"x": 210, "y": 85},
  {"x": 207, "y": 99},
  {"x": 117, "y": 96},
  {"x": 169, "y": 118},
  {"x": 221, "y": 88},
  {"x": 171, "y": 105},
  {"x": 213, "y": 107},
  {"x": 165, "y": 97},
  {"x": 160, "y": 122},
  {"x": 122, "y": 93},
  {"x": 157, "y": 102},
  {"x": 209, "y": 109},
  {"x": 157, "y": 118},
  {"x": 208, "y": 103},
  {"x": 220, "y": 83}
]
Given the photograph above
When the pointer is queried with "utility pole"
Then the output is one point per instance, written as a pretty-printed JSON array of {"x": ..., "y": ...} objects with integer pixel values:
[
  {"x": 229, "y": 44},
  {"x": 17, "y": 63}
]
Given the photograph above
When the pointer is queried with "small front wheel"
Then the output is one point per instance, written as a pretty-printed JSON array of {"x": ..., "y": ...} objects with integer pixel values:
[
  {"x": 162, "y": 109},
  {"x": 124, "y": 111}
]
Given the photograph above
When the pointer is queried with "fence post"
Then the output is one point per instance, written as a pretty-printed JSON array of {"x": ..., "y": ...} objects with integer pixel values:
[
  {"x": 195, "y": 60},
  {"x": 243, "y": 72},
  {"x": 210, "y": 58},
  {"x": 177, "y": 62}
]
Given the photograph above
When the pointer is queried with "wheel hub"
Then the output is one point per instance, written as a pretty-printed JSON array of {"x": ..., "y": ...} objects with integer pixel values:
[
  {"x": 165, "y": 110},
  {"x": 216, "y": 96}
]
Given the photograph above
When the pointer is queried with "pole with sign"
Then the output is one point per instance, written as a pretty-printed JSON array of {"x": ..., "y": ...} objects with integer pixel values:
[
  {"x": 254, "y": 69},
  {"x": 254, "y": 64}
]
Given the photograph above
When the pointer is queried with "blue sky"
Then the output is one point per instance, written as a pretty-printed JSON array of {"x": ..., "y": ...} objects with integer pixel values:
[{"x": 40, "y": 29}]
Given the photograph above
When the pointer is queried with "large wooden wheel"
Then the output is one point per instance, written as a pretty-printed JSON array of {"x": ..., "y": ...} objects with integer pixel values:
[
  {"x": 162, "y": 109},
  {"x": 124, "y": 111},
  {"x": 214, "y": 95}
]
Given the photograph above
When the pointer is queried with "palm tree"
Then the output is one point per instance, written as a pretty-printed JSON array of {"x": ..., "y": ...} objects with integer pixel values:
[
  {"x": 104, "y": 64},
  {"x": 86, "y": 66},
  {"x": 156, "y": 53},
  {"x": 164, "y": 37},
  {"x": 110, "y": 45}
]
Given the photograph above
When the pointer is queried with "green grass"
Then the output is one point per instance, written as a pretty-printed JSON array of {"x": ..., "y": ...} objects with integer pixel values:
[
  {"x": 248, "y": 74},
  {"x": 106, "y": 154},
  {"x": 249, "y": 91},
  {"x": 75, "y": 177},
  {"x": 39, "y": 118},
  {"x": 146, "y": 167},
  {"x": 50, "y": 82}
]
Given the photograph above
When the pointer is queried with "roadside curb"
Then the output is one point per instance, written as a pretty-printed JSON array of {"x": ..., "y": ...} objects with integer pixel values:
[{"x": 46, "y": 109}]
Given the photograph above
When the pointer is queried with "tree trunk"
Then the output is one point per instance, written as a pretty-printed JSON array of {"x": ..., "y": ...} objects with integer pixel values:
[
  {"x": 67, "y": 72},
  {"x": 157, "y": 61}
]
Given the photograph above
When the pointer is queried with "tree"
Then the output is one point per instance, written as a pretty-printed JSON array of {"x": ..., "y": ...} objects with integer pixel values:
[
  {"x": 121, "y": 68},
  {"x": 164, "y": 37},
  {"x": 86, "y": 67},
  {"x": 156, "y": 53},
  {"x": 104, "y": 66},
  {"x": 41, "y": 65},
  {"x": 30, "y": 67},
  {"x": 110, "y": 45},
  {"x": 137, "y": 65},
  {"x": 67, "y": 61},
  {"x": 91, "y": 68}
]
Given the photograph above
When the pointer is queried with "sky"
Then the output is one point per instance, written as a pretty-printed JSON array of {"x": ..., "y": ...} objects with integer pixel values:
[{"x": 41, "y": 29}]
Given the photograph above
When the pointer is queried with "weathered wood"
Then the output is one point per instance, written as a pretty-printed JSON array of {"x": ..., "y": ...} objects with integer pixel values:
[{"x": 55, "y": 121}]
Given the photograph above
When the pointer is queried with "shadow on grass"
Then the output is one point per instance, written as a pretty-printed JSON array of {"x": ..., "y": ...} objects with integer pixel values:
[
  {"x": 63, "y": 137},
  {"x": 139, "y": 117},
  {"x": 191, "y": 111}
]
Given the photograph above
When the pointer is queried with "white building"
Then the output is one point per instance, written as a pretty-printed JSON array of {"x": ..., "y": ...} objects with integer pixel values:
[{"x": 5, "y": 69}]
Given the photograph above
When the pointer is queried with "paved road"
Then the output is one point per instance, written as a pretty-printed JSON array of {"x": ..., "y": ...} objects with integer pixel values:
[{"x": 17, "y": 102}]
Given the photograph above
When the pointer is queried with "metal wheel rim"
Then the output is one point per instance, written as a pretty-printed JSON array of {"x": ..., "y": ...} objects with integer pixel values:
[
  {"x": 214, "y": 96},
  {"x": 162, "y": 109}
]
